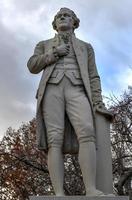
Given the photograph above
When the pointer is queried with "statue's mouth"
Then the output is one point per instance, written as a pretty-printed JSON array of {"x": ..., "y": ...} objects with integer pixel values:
[{"x": 62, "y": 21}]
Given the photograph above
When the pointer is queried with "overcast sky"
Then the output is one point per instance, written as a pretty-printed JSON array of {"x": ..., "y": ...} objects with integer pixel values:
[{"x": 106, "y": 24}]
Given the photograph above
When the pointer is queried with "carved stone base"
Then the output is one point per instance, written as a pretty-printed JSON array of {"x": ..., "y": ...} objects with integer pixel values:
[{"x": 79, "y": 198}]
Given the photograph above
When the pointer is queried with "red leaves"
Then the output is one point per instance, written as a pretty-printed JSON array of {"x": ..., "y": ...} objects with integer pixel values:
[{"x": 23, "y": 166}]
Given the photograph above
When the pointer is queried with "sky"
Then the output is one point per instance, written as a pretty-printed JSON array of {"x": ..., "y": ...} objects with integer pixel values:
[{"x": 106, "y": 24}]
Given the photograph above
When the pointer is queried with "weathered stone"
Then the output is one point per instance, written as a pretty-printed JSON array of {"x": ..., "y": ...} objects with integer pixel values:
[{"x": 70, "y": 85}]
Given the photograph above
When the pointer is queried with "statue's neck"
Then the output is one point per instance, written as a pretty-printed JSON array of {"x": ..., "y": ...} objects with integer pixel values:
[{"x": 68, "y": 32}]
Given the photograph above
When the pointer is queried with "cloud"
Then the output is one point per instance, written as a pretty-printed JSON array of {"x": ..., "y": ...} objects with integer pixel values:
[
  {"x": 105, "y": 24},
  {"x": 16, "y": 86}
]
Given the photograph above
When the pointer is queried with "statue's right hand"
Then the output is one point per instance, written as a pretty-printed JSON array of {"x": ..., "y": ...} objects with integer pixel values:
[
  {"x": 63, "y": 50},
  {"x": 100, "y": 108}
]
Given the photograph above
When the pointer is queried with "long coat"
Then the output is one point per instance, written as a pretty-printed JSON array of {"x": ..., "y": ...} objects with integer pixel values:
[{"x": 86, "y": 61}]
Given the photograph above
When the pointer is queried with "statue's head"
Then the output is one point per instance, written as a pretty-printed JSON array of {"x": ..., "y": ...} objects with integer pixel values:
[{"x": 65, "y": 19}]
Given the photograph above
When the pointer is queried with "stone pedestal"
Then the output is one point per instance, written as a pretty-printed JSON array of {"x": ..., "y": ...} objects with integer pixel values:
[
  {"x": 104, "y": 177},
  {"x": 78, "y": 198}
]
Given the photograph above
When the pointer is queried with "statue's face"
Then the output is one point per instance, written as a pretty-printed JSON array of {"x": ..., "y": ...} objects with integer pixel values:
[{"x": 64, "y": 21}]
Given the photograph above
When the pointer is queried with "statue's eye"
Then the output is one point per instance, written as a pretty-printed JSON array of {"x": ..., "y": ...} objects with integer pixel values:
[
  {"x": 66, "y": 15},
  {"x": 59, "y": 16}
]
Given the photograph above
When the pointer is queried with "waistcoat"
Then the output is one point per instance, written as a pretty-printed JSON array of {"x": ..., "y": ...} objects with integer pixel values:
[{"x": 67, "y": 66}]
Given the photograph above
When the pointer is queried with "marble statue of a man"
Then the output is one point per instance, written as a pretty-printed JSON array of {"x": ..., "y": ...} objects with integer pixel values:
[{"x": 69, "y": 90}]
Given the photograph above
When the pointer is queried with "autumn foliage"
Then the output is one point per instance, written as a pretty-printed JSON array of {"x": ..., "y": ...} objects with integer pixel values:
[
  {"x": 24, "y": 170},
  {"x": 22, "y": 164}
]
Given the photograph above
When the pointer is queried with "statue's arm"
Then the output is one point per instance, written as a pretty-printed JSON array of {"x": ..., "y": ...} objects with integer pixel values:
[
  {"x": 95, "y": 85},
  {"x": 40, "y": 59}
]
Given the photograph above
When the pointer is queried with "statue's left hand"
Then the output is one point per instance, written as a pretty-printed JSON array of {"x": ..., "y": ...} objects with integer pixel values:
[{"x": 100, "y": 108}]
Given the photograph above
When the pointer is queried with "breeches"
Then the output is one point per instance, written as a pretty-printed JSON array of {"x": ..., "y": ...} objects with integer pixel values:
[{"x": 69, "y": 98}]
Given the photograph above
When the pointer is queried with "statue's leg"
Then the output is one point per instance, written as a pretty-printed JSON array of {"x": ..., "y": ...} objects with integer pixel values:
[
  {"x": 80, "y": 115},
  {"x": 53, "y": 112},
  {"x": 56, "y": 169},
  {"x": 87, "y": 160}
]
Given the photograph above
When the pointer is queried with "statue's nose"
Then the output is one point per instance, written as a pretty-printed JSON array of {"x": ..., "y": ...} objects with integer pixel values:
[{"x": 62, "y": 17}]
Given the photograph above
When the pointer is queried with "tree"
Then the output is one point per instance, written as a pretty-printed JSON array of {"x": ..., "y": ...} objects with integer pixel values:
[
  {"x": 121, "y": 140},
  {"x": 24, "y": 168},
  {"x": 22, "y": 164}
]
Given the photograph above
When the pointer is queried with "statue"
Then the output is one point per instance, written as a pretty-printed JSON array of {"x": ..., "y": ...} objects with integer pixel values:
[{"x": 70, "y": 107}]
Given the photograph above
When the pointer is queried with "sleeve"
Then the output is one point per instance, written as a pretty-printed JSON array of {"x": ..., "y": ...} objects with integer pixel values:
[
  {"x": 40, "y": 59},
  {"x": 95, "y": 84}
]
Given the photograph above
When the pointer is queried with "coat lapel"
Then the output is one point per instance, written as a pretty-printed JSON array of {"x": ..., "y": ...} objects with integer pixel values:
[
  {"x": 81, "y": 54},
  {"x": 47, "y": 72},
  {"x": 82, "y": 58},
  {"x": 55, "y": 40}
]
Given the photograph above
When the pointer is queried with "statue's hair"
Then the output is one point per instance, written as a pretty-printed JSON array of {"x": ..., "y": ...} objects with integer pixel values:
[{"x": 76, "y": 20}]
